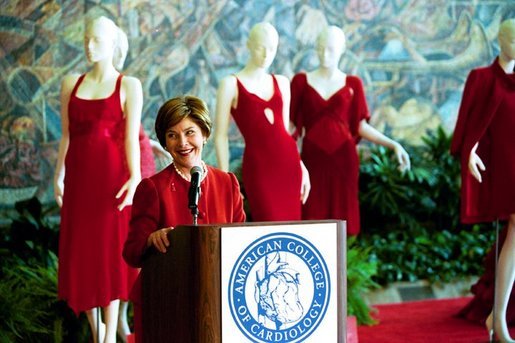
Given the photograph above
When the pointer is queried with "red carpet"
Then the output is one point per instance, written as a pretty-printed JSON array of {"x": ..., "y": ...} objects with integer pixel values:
[{"x": 427, "y": 321}]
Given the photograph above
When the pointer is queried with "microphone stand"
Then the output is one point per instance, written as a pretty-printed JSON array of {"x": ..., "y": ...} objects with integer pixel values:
[
  {"x": 194, "y": 213},
  {"x": 494, "y": 307},
  {"x": 194, "y": 192}
]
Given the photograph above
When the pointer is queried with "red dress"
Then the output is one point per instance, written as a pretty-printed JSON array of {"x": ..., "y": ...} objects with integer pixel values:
[
  {"x": 92, "y": 271},
  {"x": 271, "y": 164},
  {"x": 162, "y": 201},
  {"x": 487, "y": 116},
  {"x": 329, "y": 148}
]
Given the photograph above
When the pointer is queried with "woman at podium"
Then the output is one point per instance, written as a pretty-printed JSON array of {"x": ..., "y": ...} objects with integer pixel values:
[{"x": 161, "y": 202}]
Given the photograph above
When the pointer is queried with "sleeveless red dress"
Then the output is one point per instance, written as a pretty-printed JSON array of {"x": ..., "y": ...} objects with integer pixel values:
[
  {"x": 329, "y": 148},
  {"x": 91, "y": 270},
  {"x": 271, "y": 164}
]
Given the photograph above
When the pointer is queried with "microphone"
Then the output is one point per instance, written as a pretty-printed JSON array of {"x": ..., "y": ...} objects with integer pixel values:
[{"x": 194, "y": 192}]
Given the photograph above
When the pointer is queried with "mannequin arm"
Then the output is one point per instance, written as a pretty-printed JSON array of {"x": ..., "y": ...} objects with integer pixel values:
[
  {"x": 225, "y": 97},
  {"x": 476, "y": 164},
  {"x": 305, "y": 185},
  {"x": 370, "y": 133},
  {"x": 132, "y": 109},
  {"x": 284, "y": 86},
  {"x": 67, "y": 85}
]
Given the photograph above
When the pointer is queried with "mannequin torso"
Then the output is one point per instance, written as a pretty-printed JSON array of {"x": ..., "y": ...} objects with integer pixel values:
[
  {"x": 330, "y": 112},
  {"x": 265, "y": 95},
  {"x": 96, "y": 175}
]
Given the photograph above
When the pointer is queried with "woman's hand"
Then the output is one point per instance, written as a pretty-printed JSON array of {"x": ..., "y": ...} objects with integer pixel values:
[
  {"x": 476, "y": 164},
  {"x": 159, "y": 239},
  {"x": 402, "y": 157},
  {"x": 129, "y": 188},
  {"x": 305, "y": 185}
]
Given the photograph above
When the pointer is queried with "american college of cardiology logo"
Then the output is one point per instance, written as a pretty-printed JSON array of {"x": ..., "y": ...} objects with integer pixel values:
[{"x": 279, "y": 289}]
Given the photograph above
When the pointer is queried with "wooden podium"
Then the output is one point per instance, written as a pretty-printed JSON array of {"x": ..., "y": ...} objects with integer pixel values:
[{"x": 182, "y": 289}]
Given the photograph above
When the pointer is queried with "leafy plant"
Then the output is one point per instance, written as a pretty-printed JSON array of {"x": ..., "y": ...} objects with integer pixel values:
[
  {"x": 360, "y": 270},
  {"x": 443, "y": 183},
  {"x": 33, "y": 235},
  {"x": 437, "y": 256},
  {"x": 426, "y": 196},
  {"x": 30, "y": 309},
  {"x": 412, "y": 220}
]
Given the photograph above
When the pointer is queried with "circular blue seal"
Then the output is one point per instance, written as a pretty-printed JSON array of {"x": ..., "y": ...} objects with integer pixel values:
[{"x": 279, "y": 289}]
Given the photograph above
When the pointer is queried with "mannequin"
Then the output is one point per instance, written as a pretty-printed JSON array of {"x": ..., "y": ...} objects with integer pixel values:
[
  {"x": 274, "y": 177},
  {"x": 483, "y": 138},
  {"x": 330, "y": 112},
  {"x": 97, "y": 171}
]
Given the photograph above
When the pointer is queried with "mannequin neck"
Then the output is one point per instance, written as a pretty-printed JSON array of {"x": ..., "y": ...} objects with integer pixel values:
[
  {"x": 328, "y": 73},
  {"x": 506, "y": 63},
  {"x": 102, "y": 71},
  {"x": 254, "y": 72}
]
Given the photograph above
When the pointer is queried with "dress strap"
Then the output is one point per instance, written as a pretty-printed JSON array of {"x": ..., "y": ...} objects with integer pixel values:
[
  {"x": 117, "y": 96},
  {"x": 277, "y": 90},
  {"x": 118, "y": 83},
  {"x": 238, "y": 82},
  {"x": 274, "y": 79},
  {"x": 77, "y": 84}
]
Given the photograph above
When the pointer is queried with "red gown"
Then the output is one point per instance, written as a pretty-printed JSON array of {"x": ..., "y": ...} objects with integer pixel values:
[
  {"x": 162, "y": 201},
  {"x": 487, "y": 116},
  {"x": 329, "y": 148},
  {"x": 271, "y": 169},
  {"x": 91, "y": 270}
]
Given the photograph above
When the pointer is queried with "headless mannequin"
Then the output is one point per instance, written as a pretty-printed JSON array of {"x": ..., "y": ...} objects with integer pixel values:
[
  {"x": 262, "y": 45},
  {"x": 103, "y": 50},
  {"x": 506, "y": 262},
  {"x": 328, "y": 79}
]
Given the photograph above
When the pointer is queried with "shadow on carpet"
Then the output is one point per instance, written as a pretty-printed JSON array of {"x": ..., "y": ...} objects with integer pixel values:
[{"x": 426, "y": 321}]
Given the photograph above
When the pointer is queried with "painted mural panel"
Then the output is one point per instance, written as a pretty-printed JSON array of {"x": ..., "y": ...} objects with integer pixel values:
[{"x": 412, "y": 55}]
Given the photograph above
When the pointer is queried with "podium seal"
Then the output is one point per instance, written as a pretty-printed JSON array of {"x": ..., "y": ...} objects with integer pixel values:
[{"x": 279, "y": 289}]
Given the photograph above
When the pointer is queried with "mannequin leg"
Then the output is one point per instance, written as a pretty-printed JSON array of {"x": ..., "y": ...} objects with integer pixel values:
[
  {"x": 504, "y": 284},
  {"x": 98, "y": 329},
  {"x": 111, "y": 321},
  {"x": 123, "y": 325}
]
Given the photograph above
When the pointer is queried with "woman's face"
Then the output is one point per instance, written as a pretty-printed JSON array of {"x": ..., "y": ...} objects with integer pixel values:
[
  {"x": 185, "y": 142},
  {"x": 99, "y": 41}
]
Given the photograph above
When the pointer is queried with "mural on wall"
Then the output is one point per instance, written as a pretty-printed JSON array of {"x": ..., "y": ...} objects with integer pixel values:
[{"x": 412, "y": 55}]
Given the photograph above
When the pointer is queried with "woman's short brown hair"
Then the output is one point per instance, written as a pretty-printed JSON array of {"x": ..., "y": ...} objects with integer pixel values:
[{"x": 176, "y": 109}]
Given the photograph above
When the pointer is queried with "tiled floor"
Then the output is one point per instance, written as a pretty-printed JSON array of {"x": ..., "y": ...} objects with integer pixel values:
[{"x": 411, "y": 291}]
